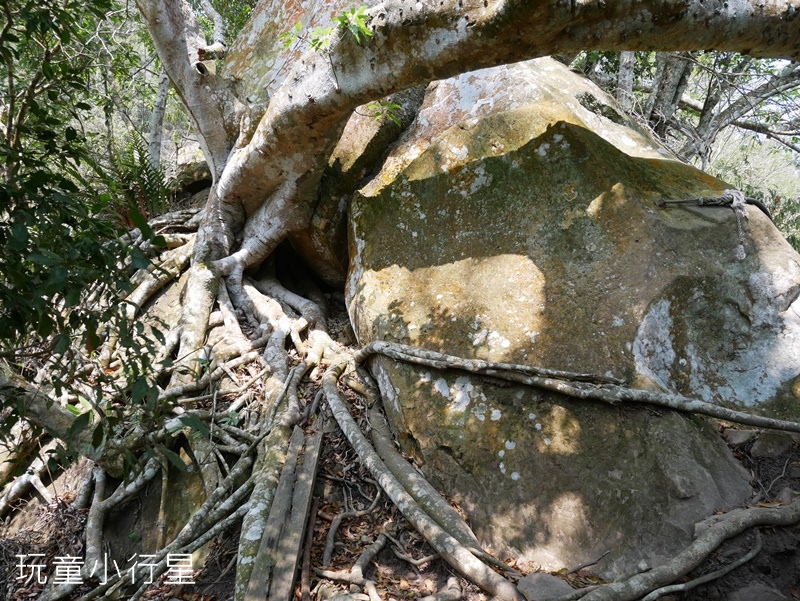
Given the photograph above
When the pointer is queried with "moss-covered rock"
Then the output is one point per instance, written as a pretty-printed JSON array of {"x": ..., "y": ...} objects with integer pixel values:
[{"x": 516, "y": 221}]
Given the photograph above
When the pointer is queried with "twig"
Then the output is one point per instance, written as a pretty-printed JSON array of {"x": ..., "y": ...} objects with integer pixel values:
[
  {"x": 336, "y": 522},
  {"x": 578, "y": 568}
]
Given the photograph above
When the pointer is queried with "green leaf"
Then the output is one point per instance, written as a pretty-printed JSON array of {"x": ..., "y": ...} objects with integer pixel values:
[
  {"x": 97, "y": 435},
  {"x": 45, "y": 257},
  {"x": 173, "y": 458},
  {"x": 139, "y": 389},
  {"x": 355, "y": 21},
  {"x": 19, "y": 237},
  {"x": 79, "y": 425},
  {"x": 195, "y": 423},
  {"x": 321, "y": 38},
  {"x": 139, "y": 260},
  {"x": 139, "y": 221},
  {"x": 61, "y": 344},
  {"x": 72, "y": 297},
  {"x": 287, "y": 38}
]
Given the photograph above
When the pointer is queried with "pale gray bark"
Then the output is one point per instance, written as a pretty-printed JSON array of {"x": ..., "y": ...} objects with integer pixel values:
[
  {"x": 414, "y": 43},
  {"x": 213, "y": 110},
  {"x": 157, "y": 119},
  {"x": 627, "y": 59},
  {"x": 220, "y": 35},
  {"x": 672, "y": 77},
  {"x": 716, "y": 116}
]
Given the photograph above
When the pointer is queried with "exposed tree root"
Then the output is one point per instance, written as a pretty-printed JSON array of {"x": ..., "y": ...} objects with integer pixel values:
[
  {"x": 171, "y": 267},
  {"x": 206, "y": 379},
  {"x": 419, "y": 488},
  {"x": 451, "y": 592},
  {"x": 337, "y": 521},
  {"x": 280, "y": 338},
  {"x": 579, "y": 388},
  {"x": 687, "y": 586},
  {"x": 731, "y": 524},
  {"x": 356, "y": 573},
  {"x": 397, "y": 549},
  {"x": 198, "y": 300},
  {"x": 23, "y": 483},
  {"x": 448, "y": 547}
]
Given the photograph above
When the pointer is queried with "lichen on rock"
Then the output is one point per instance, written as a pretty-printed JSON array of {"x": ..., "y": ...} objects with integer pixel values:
[{"x": 511, "y": 223}]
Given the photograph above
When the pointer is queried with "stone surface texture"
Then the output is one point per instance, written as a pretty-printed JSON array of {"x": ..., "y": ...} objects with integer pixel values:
[
  {"x": 543, "y": 587},
  {"x": 516, "y": 220},
  {"x": 757, "y": 592}
]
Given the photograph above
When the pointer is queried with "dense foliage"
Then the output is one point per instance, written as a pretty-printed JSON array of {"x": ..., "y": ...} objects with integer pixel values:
[
  {"x": 70, "y": 72},
  {"x": 55, "y": 239}
]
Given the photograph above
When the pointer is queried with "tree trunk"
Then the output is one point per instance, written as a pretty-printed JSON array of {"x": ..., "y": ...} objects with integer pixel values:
[
  {"x": 672, "y": 77},
  {"x": 627, "y": 60},
  {"x": 716, "y": 115},
  {"x": 268, "y": 157},
  {"x": 157, "y": 120}
]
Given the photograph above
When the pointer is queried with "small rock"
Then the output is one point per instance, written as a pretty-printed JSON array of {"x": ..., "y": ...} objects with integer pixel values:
[
  {"x": 772, "y": 444},
  {"x": 543, "y": 587},
  {"x": 757, "y": 592},
  {"x": 785, "y": 495},
  {"x": 737, "y": 438}
]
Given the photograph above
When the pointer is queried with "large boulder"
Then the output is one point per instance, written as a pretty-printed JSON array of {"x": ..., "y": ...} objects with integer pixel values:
[{"x": 517, "y": 220}]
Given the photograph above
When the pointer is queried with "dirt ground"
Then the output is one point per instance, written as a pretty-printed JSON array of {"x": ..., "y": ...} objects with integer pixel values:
[
  {"x": 343, "y": 485},
  {"x": 777, "y": 565}
]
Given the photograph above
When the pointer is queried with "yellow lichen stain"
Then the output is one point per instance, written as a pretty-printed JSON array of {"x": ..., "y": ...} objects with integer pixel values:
[
  {"x": 796, "y": 388},
  {"x": 570, "y": 215},
  {"x": 562, "y": 430},
  {"x": 685, "y": 179},
  {"x": 595, "y": 207}
]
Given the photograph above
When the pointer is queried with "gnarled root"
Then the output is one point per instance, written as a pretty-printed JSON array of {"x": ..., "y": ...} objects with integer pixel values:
[
  {"x": 733, "y": 523},
  {"x": 448, "y": 547}
]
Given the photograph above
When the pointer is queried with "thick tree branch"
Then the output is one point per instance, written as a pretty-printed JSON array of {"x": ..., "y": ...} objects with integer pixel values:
[
  {"x": 217, "y": 48},
  {"x": 416, "y": 43},
  {"x": 214, "y": 112}
]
